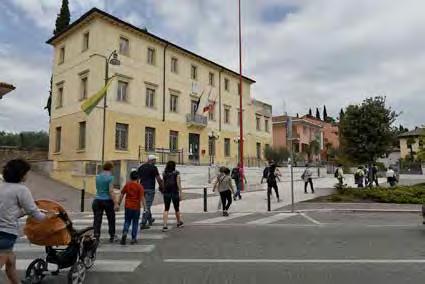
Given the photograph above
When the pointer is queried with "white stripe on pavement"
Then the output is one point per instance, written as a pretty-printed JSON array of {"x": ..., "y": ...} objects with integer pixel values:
[
  {"x": 113, "y": 248},
  {"x": 222, "y": 219},
  {"x": 101, "y": 265},
  {"x": 311, "y": 219},
  {"x": 144, "y": 236},
  {"x": 272, "y": 219},
  {"x": 297, "y": 261},
  {"x": 118, "y": 230},
  {"x": 117, "y": 221},
  {"x": 171, "y": 215}
]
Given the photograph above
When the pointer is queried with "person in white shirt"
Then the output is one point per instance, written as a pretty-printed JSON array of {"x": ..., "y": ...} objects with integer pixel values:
[{"x": 391, "y": 177}]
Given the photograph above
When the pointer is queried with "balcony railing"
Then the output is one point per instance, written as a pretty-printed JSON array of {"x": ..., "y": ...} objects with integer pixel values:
[{"x": 196, "y": 120}]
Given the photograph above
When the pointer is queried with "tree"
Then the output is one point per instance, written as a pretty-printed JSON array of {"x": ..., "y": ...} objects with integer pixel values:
[
  {"x": 421, "y": 152},
  {"x": 310, "y": 113},
  {"x": 325, "y": 114},
  {"x": 279, "y": 154},
  {"x": 367, "y": 130},
  {"x": 63, "y": 18},
  {"x": 410, "y": 142},
  {"x": 341, "y": 114},
  {"x": 317, "y": 113}
]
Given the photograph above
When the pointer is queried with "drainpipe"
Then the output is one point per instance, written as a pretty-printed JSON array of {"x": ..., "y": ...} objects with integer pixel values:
[
  {"x": 219, "y": 99},
  {"x": 163, "y": 85}
]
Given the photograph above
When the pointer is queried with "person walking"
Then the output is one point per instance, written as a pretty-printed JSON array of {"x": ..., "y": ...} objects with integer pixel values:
[
  {"x": 15, "y": 201},
  {"x": 366, "y": 175},
  {"x": 373, "y": 172},
  {"x": 391, "y": 177},
  {"x": 236, "y": 176},
  {"x": 307, "y": 177},
  {"x": 359, "y": 177},
  {"x": 273, "y": 175},
  {"x": 339, "y": 175},
  {"x": 224, "y": 186},
  {"x": 134, "y": 197},
  {"x": 148, "y": 174},
  {"x": 172, "y": 193},
  {"x": 105, "y": 201}
]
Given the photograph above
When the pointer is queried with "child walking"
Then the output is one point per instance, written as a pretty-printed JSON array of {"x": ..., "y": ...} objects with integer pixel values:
[{"x": 134, "y": 197}]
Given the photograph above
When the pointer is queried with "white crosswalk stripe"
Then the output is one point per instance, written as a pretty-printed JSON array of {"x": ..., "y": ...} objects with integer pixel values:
[
  {"x": 101, "y": 265},
  {"x": 272, "y": 219},
  {"x": 216, "y": 220}
]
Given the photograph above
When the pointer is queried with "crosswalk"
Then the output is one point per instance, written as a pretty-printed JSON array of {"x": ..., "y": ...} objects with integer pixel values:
[{"x": 110, "y": 257}]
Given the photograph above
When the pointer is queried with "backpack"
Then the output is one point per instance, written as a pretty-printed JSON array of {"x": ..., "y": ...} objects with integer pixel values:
[
  {"x": 235, "y": 173},
  {"x": 336, "y": 174},
  {"x": 170, "y": 182},
  {"x": 266, "y": 172}
]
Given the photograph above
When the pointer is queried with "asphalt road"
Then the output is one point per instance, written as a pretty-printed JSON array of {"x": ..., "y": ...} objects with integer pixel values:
[{"x": 317, "y": 247}]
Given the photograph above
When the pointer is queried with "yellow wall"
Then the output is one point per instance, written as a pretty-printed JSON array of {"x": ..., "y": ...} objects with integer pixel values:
[{"x": 404, "y": 150}]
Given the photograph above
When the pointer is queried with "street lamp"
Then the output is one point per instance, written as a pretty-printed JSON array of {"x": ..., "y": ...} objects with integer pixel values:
[
  {"x": 113, "y": 60},
  {"x": 237, "y": 140},
  {"x": 213, "y": 137}
]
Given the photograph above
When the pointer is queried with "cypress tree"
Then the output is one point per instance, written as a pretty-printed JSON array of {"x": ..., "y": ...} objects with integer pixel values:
[
  {"x": 341, "y": 114},
  {"x": 317, "y": 113},
  {"x": 63, "y": 18},
  {"x": 325, "y": 113},
  {"x": 310, "y": 113}
]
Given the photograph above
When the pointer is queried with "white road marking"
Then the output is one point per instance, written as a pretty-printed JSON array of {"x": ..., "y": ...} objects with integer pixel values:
[
  {"x": 296, "y": 261},
  {"x": 222, "y": 219},
  {"x": 117, "y": 222},
  {"x": 101, "y": 265},
  {"x": 145, "y": 235},
  {"x": 272, "y": 219},
  {"x": 113, "y": 248},
  {"x": 104, "y": 230},
  {"x": 311, "y": 219},
  {"x": 171, "y": 215}
]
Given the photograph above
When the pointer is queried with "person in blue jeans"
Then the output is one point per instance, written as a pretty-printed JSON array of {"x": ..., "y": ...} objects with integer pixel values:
[
  {"x": 148, "y": 176},
  {"x": 134, "y": 198},
  {"x": 236, "y": 176}
]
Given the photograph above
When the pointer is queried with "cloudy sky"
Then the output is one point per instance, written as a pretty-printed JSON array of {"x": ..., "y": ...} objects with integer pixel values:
[{"x": 303, "y": 53}]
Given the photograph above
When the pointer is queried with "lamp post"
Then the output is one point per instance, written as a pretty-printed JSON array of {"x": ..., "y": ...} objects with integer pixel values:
[
  {"x": 238, "y": 141},
  {"x": 113, "y": 60},
  {"x": 213, "y": 137}
]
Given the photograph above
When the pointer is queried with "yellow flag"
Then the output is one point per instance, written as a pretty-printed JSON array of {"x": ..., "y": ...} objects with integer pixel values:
[{"x": 88, "y": 105}]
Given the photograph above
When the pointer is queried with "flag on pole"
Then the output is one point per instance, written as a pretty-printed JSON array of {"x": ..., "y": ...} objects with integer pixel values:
[
  {"x": 211, "y": 105},
  {"x": 198, "y": 102},
  {"x": 89, "y": 104}
]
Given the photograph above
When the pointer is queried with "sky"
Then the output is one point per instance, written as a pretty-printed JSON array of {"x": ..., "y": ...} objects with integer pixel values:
[{"x": 302, "y": 53}]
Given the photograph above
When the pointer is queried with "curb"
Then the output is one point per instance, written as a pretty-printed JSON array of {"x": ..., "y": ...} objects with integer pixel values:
[{"x": 359, "y": 210}]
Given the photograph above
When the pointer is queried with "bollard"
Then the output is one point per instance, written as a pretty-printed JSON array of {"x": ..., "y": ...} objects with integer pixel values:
[
  {"x": 269, "y": 207},
  {"x": 205, "y": 199},
  {"x": 83, "y": 193}
]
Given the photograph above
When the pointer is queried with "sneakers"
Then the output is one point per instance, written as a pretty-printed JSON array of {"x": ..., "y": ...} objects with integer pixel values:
[
  {"x": 133, "y": 242},
  {"x": 144, "y": 227},
  {"x": 165, "y": 229},
  {"x": 225, "y": 214},
  {"x": 113, "y": 239},
  {"x": 152, "y": 221},
  {"x": 180, "y": 224},
  {"x": 123, "y": 241}
]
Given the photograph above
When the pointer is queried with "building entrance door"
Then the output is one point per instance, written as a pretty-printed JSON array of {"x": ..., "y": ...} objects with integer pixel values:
[{"x": 194, "y": 147}]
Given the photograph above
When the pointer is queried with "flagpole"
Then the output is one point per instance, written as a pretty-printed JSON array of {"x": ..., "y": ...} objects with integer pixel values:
[{"x": 241, "y": 140}]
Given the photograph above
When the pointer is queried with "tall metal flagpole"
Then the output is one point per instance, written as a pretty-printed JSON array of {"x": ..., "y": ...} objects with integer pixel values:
[{"x": 241, "y": 140}]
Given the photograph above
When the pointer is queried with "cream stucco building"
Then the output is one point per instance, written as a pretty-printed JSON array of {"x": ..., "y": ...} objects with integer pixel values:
[{"x": 150, "y": 103}]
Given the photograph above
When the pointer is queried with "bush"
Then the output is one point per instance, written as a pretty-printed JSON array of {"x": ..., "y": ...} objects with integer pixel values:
[{"x": 279, "y": 155}]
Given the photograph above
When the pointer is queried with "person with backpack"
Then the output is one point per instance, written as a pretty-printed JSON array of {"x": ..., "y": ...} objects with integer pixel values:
[
  {"x": 307, "y": 178},
  {"x": 359, "y": 177},
  {"x": 224, "y": 186},
  {"x": 272, "y": 174},
  {"x": 134, "y": 197},
  {"x": 339, "y": 175},
  {"x": 373, "y": 171},
  {"x": 236, "y": 176},
  {"x": 172, "y": 193}
]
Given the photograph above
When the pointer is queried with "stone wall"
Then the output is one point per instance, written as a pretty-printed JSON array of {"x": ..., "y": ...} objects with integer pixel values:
[{"x": 9, "y": 153}]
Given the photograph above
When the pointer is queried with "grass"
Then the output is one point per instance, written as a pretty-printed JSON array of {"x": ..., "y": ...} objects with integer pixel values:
[{"x": 414, "y": 194}]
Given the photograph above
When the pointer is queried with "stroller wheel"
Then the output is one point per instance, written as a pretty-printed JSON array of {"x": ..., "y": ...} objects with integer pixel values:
[
  {"x": 77, "y": 274},
  {"x": 36, "y": 271}
]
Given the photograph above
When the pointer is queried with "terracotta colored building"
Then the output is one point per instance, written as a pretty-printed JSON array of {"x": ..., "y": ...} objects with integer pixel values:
[{"x": 330, "y": 132}]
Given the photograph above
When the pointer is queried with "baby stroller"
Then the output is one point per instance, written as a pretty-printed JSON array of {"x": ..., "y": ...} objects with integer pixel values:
[{"x": 79, "y": 254}]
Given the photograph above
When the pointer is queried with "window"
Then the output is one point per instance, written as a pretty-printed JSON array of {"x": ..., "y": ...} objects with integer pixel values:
[
  {"x": 194, "y": 72},
  {"x": 258, "y": 123},
  {"x": 83, "y": 88},
  {"x": 266, "y": 147},
  {"x": 62, "y": 55},
  {"x": 211, "y": 112},
  {"x": 124, "y": 46},
  {"x": 86, "y": 38},
  {"x": 227, "y": 115},
  {"x": 211, "y": 146},
  {"x": 151, "y": 56},
  {"x": 211, "y": 79},
  {"x": 174, "y": 140},
  {"x": 150, "y": 139},
  {"x": 58, "y": 139},
  {"x": 227, "y": 147},
  {"x": 174, "y": 102},
  {"x": 82, "y": 136},
  {"x": 121, "y": 136},
  {"x": 59, "y": 99},
  {"x": 239, "y": 117},
  {"x": 266, "y": 125},
  {"x": 174, "y": 65},
  {"x": 226, "y": 84},
  {"x": 239, "y": 88},
  {"x": 122, "y": 91},
  {"x": 258, "y": 150},
  {"x": 150, "y": 97}
]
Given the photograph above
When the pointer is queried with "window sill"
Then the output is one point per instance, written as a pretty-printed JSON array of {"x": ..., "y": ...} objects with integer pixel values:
[
  {"x": 81, "y": 151},
  {"x": 57, "y": 153},
  {"x": 121, "y": 151}
]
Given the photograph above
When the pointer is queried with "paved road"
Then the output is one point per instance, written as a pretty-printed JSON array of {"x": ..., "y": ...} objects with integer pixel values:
[{"x": 314, "y": 247}]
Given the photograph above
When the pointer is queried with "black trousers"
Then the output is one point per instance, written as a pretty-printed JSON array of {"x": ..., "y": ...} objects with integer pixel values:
[
  {"x": 100, "y": 206},
  {"x": 273, "y": 185},
  {"x": 226, "y": 199},
  {"x": 309, "y": 181}
]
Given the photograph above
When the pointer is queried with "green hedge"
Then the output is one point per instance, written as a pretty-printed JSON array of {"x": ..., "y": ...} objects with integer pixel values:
[{"x": 402, "y": 194}]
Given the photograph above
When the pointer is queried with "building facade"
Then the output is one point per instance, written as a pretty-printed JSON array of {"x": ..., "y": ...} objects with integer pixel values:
[
  {"x": 152, "y": 102},
  {"x": 410, "y": 142}
]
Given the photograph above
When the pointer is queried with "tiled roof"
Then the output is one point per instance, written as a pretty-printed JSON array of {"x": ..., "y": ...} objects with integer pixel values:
[{"x": 414, "y": 133}]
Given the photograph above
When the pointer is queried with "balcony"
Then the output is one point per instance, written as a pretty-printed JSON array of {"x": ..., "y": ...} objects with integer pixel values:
[{"x": 196, "y": 120}]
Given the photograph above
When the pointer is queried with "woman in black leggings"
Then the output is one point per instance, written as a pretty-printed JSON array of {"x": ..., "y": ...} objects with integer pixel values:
[{"x": 225, "y": 187}]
